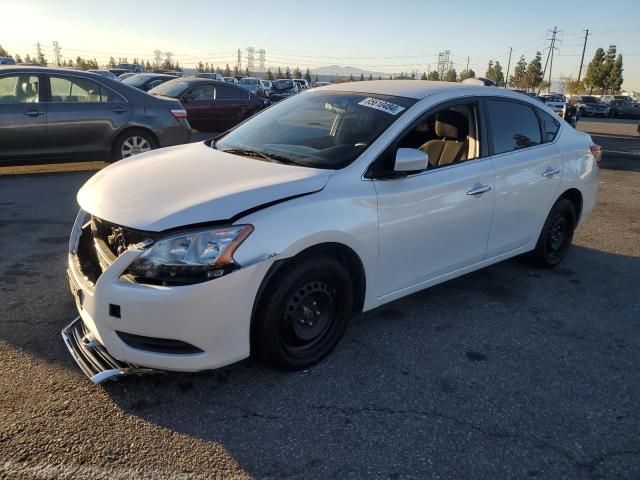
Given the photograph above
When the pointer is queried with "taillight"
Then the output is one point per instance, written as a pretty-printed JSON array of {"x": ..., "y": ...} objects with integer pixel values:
[
  {"x": 596, "y": 150},
  {"x": 179, "y": 113}
]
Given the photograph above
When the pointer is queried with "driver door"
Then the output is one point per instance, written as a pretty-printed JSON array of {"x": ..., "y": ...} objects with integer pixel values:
[{"x": 434, "y": 223}]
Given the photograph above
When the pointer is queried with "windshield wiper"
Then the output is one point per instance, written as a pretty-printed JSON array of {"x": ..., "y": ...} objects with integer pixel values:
[{"x": 269, "y": 157}]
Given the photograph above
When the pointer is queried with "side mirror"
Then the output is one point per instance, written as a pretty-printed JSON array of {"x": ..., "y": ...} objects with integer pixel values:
[{"x": 411, "y": 160}]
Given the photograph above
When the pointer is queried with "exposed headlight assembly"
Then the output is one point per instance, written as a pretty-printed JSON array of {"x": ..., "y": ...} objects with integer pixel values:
[{"x": 190, "y": 257}]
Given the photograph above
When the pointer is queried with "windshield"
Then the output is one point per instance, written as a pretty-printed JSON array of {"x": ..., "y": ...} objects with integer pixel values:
[
  {"x": 136, "y": 80},
  {"x": 171, "y": 88},
  {"x": 316, "y": 129},
  {"x": 590, "y": 100},
  {"x": 283, "y": 84},
  {"x": 248, "y": 81}
]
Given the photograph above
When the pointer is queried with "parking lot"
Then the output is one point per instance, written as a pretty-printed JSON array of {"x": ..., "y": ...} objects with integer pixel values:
[{"x": 508, "y": 372}]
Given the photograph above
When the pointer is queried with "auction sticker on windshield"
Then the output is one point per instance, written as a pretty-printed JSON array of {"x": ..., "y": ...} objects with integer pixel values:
[{"x": 388, "y": 107}]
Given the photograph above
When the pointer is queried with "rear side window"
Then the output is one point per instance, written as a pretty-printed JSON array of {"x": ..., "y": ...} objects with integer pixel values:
[
  {"x": 550, "y": 126},
  {"x": 514, "y": 126},
  {"x": 228, "y": 92},
  {"x": 79, "y": 90},
  {"x": 22, "y": 88}
]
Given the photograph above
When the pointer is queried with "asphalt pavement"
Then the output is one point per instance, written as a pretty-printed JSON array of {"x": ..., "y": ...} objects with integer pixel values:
[{"x": 509, "y": 372}]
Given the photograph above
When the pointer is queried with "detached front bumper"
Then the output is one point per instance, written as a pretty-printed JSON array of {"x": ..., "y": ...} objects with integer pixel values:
[
  {"x": 132, "y": 327},
  {"x": 92, "y": 358}
]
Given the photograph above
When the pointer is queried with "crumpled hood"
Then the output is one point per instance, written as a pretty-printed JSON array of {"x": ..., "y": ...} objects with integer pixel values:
[{"x": 190, "y": 184}]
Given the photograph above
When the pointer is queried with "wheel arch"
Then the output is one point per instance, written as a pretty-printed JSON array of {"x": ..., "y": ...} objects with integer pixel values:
[
  {"x": 132, "y": 128},
  {"x": 342, "y": 252},
  {"x": 575, "y": 196}
]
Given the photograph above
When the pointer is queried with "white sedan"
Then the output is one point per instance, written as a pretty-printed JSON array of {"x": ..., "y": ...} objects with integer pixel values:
[{"x": 333, "y": 202}]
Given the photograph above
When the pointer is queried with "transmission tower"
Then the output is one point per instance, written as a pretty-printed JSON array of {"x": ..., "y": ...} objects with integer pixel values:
[
  {"x": 56, "y": 52},
  {"x": 239, "y": 60},
  {"x": 39, "y": 52},
  {"x": 251, "y": 58},
  {"x": 443, "y": 63},
  {"x": 168, "y": 57},
  {"x": 261, "y": 59}
]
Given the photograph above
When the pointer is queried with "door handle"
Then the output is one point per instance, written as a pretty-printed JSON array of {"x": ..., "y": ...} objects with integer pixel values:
[
  {"x": 33, "y": 113},
  {"x": 550, "y": 172},
  {"x": 119, "y": 109},
  {"x": 479, "y": 189}
]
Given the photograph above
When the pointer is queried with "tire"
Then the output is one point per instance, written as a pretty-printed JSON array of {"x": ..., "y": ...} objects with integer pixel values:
[
  {"x": 303, "y": 314},
  {"x": 132, "y": 142},
  {"x": 556, "y": 235}
]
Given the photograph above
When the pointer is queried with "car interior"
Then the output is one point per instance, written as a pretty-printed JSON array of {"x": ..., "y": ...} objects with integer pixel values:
[
  {"x": 448, "y": 136},
  {"x": 21, "y": 89}
]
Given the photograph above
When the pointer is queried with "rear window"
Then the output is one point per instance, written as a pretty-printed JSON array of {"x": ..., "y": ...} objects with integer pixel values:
[
  {"x": 136, "y": 80},
  {"x": 514, "y": 126},
  {"x": 590, "y": 100},
  {"x": 550, "y": 126},
  {"x": 172, "y": 88}
]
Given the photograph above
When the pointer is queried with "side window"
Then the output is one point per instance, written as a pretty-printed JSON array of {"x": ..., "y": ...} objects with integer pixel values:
[
  {"x": 448, "y": 136},
  {"x": 228, "y": 92},
  {"x": 514, "y": 126},
  {"x": 203, "y": 92},
  {"x": 550, "y": 126},
  {"x": 79, "y": 90},
  {"x": 19, "y": 89}
]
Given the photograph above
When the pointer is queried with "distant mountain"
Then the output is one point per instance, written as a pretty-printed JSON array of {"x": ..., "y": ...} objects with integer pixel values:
[{"x": 337, "y": 70}]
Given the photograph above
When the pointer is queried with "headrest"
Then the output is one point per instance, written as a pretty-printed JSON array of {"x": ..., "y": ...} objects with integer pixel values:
[{"x": 451, "y": 124}]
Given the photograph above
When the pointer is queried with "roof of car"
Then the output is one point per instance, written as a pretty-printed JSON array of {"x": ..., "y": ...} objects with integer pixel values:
[
  {"x": 40, "y": 68},
  {"x": 417, "y": 89}
]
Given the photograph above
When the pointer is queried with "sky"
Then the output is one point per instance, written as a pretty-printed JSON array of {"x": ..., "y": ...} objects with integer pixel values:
[{"x": 375, "y": 35}]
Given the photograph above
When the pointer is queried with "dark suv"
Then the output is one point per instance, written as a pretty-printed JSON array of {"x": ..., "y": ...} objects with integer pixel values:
[{"x": 48, "y": 112}]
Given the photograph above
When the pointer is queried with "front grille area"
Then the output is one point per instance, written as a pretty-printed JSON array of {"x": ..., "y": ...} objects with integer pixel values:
[
  {"x": 158, "y": 345},
  {"x": 101, "y": 243}
]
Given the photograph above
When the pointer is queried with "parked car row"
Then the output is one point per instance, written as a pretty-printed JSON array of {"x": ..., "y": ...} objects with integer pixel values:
[{"x": 50, "y": 112}]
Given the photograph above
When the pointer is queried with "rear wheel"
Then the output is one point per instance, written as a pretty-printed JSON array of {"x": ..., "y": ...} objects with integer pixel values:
[
  {"x": 556, "y": 236},
  {"x": 133, "y": 142},
  {"x": 304, "y": 313}
]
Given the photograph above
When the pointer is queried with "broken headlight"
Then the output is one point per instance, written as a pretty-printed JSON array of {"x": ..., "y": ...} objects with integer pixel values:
[{"x": 190, "y": 257}]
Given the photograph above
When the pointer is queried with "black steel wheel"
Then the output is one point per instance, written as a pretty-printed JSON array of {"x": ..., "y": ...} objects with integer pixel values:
[
  {"x": 303, "y": 313},
  {"x": 556, "y": 235}
]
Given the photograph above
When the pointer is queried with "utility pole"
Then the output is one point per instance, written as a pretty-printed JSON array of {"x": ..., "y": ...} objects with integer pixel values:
[
  {"x": 506, "y": 79},
  {"x": 586, "y": 35},
  {"x": 39, "y": 52},
  {"x": 56, "y": 52},
  {"x": 467, "y": 70},
  {"x": 544, "y": 72}
]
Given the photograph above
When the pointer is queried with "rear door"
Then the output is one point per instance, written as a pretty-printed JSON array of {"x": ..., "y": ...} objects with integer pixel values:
[
  {"x": 23, "y": 116},
  {"x": 232, "y": 106},
  {"x": 83, "y": 115},
  {"x": 200, "y": 104},
  {"x": 528, "y": 172}
]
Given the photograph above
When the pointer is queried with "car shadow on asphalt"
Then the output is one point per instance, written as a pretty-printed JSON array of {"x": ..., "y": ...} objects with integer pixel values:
[{"x": 497, "y": 357}]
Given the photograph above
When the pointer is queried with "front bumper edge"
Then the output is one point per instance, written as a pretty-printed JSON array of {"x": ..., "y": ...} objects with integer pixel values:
[{"x": 92, "y": 358}]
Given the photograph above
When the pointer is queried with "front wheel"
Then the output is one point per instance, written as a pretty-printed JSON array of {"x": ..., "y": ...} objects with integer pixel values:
[
  {"x": 556, "y": 236},
  {"x": 304, "y": 313}
]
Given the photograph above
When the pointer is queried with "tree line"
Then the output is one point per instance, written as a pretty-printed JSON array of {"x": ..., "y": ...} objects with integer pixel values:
[{"x": 604, "y": 73}]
